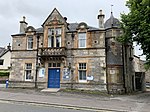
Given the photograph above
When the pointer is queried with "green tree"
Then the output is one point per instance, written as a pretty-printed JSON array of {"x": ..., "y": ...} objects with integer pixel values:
[{"x": 136, "y": 25}]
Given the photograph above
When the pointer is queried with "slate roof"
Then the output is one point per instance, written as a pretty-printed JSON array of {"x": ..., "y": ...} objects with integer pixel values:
[
  {"x": 111, "y": 22},
  {"x": 72, "y": 27},
  {"x": 40, "y": 30},
  {"x": 3, "y": 51}
]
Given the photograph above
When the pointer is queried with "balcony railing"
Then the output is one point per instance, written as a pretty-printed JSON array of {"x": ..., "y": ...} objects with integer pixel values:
[{"x": 51, "y": 52}]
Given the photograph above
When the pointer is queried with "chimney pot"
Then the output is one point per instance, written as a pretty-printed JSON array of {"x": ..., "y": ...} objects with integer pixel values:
[
  {"x": 100, "y": 12},
  {"x": 9, "y": 47},
  {"x": 24, "y": 18},
  {"x": 65, "y": 18}
]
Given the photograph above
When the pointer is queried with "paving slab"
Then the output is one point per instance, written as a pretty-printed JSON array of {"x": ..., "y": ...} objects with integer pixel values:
[{"x": 51, "y": 90}]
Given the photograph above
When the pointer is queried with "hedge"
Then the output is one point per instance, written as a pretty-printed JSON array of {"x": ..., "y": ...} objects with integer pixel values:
[{"x": 4, "y": 73}]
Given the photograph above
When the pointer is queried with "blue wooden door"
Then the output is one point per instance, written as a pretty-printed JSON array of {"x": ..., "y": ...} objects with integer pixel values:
[{"x": 54, "y": 78}]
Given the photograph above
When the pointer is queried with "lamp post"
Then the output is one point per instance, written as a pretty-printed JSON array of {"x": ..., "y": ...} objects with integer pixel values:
[{"x": 38, "y": 37}]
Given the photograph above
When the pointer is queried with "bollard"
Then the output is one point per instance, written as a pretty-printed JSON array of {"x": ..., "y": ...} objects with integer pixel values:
[{"x": 7, "y": 82}]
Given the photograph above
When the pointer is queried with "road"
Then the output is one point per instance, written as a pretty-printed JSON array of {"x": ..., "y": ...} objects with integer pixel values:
[
  {"x": 16, "y": 107},
  {"x": 137, "y": 102}
]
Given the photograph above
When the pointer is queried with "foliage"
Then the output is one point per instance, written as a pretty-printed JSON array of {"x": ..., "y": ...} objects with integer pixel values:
[
  {"x": 136, "y": 25},
  {"x": 4, "y": 73}
]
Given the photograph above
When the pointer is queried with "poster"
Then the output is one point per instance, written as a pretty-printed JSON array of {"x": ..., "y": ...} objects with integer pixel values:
[
  {"x": 66, "y": 74},
  {"x": 41, "y": 72}
]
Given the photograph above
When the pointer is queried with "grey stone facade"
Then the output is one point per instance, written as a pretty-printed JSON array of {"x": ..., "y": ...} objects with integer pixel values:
[{"x": 100, "y": 55}]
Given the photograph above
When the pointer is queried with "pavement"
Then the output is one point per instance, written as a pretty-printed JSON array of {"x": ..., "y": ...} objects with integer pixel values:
[{"x": 138, "y": 102}]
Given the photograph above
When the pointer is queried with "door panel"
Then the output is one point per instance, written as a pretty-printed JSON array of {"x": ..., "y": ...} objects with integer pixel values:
[{"x": 54, "y": 78}]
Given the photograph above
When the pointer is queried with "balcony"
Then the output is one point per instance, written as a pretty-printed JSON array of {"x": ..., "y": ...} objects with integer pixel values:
[{"x": 52, "y": 52}]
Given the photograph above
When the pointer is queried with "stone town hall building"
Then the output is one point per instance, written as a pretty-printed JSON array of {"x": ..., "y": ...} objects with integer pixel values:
[{"x": 71, "y": 55}]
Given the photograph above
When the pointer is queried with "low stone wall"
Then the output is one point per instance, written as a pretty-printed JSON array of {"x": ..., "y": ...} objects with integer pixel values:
[
  {"x": 42, "y": 85},
  {"x": 21, "y": 84},
  {"x": 113, "y": 88},
  {"x": 25, "y": 84},
  {"x": 116, "y": 89},
  {"x": 84, "y": 86}
]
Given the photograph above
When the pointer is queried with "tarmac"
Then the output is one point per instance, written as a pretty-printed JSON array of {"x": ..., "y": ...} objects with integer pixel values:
[{"x": 123, "y": 103}]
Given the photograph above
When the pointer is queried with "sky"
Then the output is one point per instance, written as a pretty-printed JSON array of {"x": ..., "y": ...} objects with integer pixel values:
[{"x": 36, "y": 12}]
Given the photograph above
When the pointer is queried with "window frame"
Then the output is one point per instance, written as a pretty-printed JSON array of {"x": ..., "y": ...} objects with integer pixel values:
[
  {"x": 58, "y": 38},
  {"x": 82, "y": 69},
  {"x": 29, "y": 42},
  {"x": 54, "y": 65},
  {"x": 54, "y": 35},
  {"x": 51, "y": 41},
  {"x": 82, "y": 39},
  {"x": 28, "y": 70},
  {"x": 2, "y": 61}
]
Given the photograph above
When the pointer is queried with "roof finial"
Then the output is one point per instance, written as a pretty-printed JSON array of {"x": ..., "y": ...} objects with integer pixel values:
[{"x": 111, "y": 8}]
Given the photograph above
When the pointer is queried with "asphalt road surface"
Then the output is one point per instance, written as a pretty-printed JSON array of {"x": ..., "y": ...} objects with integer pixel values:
[{"x": 16, "y": 107}]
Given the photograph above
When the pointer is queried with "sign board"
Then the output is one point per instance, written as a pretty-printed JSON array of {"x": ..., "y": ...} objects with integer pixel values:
[
  {"x": 41, "y": 72},
  {"x": 112, "y": 71},
  {"x": 66, "y": 74},
  {"x": 90, "y": 78}
]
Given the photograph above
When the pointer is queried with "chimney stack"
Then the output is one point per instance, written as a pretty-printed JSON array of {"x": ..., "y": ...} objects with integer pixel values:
[
  {"x": 23, "y": 25},
  {"x": 101, "y": 19},
  {"x": 9, "y": 47}
]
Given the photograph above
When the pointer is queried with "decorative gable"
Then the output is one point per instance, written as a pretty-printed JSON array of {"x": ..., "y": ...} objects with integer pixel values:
[{"x": 54, "y": 18}]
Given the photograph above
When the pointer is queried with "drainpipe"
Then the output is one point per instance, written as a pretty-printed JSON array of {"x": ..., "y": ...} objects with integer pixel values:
[
  {"x": 123, "y": 60},
  {"x": 72, "y": 63},
  {"x": 106, "y": 65},
  {"x": 38, "y": 37}
]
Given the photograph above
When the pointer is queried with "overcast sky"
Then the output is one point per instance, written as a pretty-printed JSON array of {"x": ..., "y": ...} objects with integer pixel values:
[{"x": 36, "y": 11}]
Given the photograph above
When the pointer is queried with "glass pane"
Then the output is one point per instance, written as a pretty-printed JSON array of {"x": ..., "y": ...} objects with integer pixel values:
[
  {"x": 79, "y": 65},
  {"x": 51, "y": 41},
  {"x": 82, "y": 36},
  {"x": 54, "y": 64},
  {"x": 1, "y": 62},
  {"x": 58, "y": 41},
  {"x": 49, "y": 64},
  {"x": 30, "y": 39},
  {"x": 58, "y": 64},
  {"x": 50, "y": 31},
  {"x": 28, "y": 66},
  {"x": 82, "y": 40},
  {"x": 58, "y": 31},
  {"x": 82, "y": 75},
  {"x": 28, "y": 74},
  {"x": 30, "y": 42},
  {"x": 84, "y": 65},
  {"x": 30, "y": 45}
]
